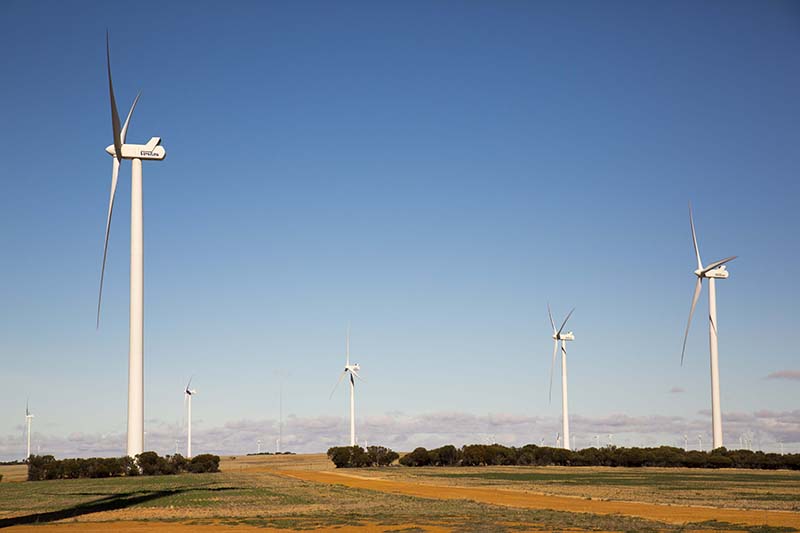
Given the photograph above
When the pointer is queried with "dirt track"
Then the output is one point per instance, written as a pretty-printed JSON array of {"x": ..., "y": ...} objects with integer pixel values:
[{"x": 672, "y": 514}]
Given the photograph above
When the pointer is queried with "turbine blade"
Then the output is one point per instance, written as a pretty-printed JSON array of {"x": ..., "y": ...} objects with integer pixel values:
[
  {"x": 694, "y": 239},
  {"x": 549, "y": 314},
  {"x": 716, "y": 264},
  {"x": 565, "y": 321},
  {"x": 124, "y": 131},
  {"x": 347, "y": 346},
  {"x": 698, "y": 286},
  {"x": 114, "y": 112},
  {"x": 190, "y": 383},
  {"x": 337, "y": 384},
  {"x": 353, "y": 372},
  {"x": 552, "y": 365},
  {"x": 114, "y": 176}
]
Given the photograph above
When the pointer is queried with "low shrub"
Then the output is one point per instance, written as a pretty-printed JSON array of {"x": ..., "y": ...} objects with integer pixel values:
[
  {"x": 357, "y": 457},
  {"x": 663, "y": 456},
  {"x": 42, "y": 467}
]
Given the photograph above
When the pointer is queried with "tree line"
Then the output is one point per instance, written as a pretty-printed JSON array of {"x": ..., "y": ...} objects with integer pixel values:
[
  {"x": 358, "y": 457},
  {"x": 43, "y": 467},
  {"x": 662, "y": 456}
]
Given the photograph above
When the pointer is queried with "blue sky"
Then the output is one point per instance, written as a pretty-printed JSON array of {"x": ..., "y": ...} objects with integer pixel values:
[{"x": 434, "y": 173}]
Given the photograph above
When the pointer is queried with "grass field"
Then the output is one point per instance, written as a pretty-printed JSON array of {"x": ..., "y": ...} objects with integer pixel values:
[
  {"x": 740, "y": 489},
  {"x": 304, "y": 492}
]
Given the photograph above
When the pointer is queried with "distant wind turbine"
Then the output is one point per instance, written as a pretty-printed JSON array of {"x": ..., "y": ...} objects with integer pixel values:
[
  {"x": 135, "y": 152},
  {"x": 713, "y": 271},
  {"x": 187, "y": 399},
  {"x": 28, "y": 419},
  {"x": 353, "y": 371},
  {"x": 561, "y": 335}
]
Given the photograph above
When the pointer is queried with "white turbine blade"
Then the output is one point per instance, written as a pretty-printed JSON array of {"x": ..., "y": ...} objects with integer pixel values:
[
  {"x": 337, "y": 384},
  {"x": 552, "y": 365},
  {"x": 719, "y": 263},
  {"x": 549, "y": 314},
  {"x": 694, "y": 239},
  {"x": 124, "y": 131},
  {"x": 347, "y": 346},
  {"x": 114, "y": 112},
  {"x": 565, "y": 322},
  {"x": 697, "y": 289},
  {"x": 114, "y": 176},
  {"x": 189, "y": 384},
  {"x": 353, "y": 372}
]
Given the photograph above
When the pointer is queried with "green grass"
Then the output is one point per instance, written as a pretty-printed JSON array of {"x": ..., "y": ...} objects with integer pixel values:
[
  {"x": 266, "y": 500},
  {"x": 626, "y": 478}
]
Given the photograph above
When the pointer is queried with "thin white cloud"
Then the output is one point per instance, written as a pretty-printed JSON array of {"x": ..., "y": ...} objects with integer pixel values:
[
  {"x": 785, "y": 374},
  {"x": 676, "y": 390},
  {"x": 404, "y": 432}
]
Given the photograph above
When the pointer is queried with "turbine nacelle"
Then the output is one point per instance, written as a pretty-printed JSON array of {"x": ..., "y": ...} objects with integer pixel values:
[
  {"x": 566, "y": 336},
  {"x": 152, "y": 150},
  {"x": 720, "y": 272},
  {"x": 352, "y": 368}
]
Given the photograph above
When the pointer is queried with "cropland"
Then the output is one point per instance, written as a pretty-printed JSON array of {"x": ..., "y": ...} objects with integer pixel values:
[{"x": 306, "y": 493}]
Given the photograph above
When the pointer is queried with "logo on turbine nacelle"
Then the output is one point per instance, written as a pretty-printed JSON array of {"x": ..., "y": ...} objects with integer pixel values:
[
  {"x": 718, "y": 273},
  {"x": 147, "y": 152}
]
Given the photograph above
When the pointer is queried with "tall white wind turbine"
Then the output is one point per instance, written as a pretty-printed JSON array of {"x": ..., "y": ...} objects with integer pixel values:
[
  {"x": 187, "y": 400},
  {"x": 119, "y": 150},
  {"x": 562, "y": 336},
  {"x": 352, "y": 370},
  {"x": 713, "y": 271},
  {"x": 28, "y": 419}
]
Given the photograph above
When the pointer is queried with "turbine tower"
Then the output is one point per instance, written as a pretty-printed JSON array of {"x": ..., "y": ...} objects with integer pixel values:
[
  {"x": 561, "y": 335},
  {"x": 152, "y": 151},
  {"x": 713, "y": 271},
  {"x": 187, "y": 400},
  {"x": 353, "y": 371},
  {"x": 28, "y": 418}
]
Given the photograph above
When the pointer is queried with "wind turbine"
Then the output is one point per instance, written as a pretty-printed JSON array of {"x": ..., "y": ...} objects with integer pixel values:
[
  {"x": 28, "y": 418},
  {"x": 187, "y": 400},
  {"x": 136, "y": 153},
  {"x": 353, "y": 371},
  {"x": 713, "y": 271},
  {"x": 561, "y": 335}
]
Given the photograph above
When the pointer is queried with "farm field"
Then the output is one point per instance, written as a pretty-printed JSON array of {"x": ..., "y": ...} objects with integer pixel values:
[{"x": 305, "y": 492}]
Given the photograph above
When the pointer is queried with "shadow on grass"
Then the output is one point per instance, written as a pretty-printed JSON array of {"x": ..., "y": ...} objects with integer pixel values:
[{"x": 109, "y": 503}]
